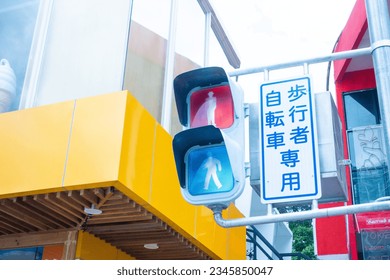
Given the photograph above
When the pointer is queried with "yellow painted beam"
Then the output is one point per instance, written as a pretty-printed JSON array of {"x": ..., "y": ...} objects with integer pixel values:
[
  {"x": 95, "y": 141},
  {"x": 33, "y": 149},
  {"x": 138, "y": 147}
]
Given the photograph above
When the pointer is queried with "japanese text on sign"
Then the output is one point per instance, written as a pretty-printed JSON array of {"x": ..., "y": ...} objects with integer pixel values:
[{"x": 289, "y": 163}]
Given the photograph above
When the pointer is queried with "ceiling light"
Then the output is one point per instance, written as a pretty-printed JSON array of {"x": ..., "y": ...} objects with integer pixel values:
[
  {"x": 151, "y": 246},
  {"x": 92, "y": 210}
]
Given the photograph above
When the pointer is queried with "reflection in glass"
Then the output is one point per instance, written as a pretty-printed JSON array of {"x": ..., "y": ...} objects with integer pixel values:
[
  {"x": 375, "y": 244},
  {"x": 34, "y": 253},
  {"x": 361, "y": 108},
  {"x": 17, "y": 22},
  {"x": 370, "y": 176}
]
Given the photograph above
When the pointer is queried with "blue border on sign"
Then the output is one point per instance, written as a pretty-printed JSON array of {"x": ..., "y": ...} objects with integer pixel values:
[{"x": 264, "y": 197}]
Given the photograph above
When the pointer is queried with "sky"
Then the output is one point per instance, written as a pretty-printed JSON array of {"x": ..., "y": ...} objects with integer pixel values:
[
  {"x": 267, "y": 32},
  {"x": 263, "y": 32}
]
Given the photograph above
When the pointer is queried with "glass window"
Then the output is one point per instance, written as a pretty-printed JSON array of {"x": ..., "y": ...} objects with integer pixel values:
[
  {"x": 190, "y": 30},
  {"x": 17, "y": 23},
  {"x": 146, "y": 54},
  {"x": 153, "y": 15},
  {"x": 362, "y": 108},
  {"x": 366, "y": 146},
  {"x": 34, "y": 253},
  {"x": 374, "y": 245}
]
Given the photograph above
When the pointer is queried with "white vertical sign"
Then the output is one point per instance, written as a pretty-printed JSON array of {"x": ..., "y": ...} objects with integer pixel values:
[{"x": 289, "y": 159}]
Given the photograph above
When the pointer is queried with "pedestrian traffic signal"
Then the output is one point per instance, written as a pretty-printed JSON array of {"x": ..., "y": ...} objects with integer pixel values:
[
  {"x": 209, "y": 153},
  {"x": 204, "y": 110},
  {"x": 209, "y": 170}
]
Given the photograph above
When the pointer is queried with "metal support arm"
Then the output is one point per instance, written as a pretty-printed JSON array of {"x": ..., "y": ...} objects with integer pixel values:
[{"x": 297, "y": 216}]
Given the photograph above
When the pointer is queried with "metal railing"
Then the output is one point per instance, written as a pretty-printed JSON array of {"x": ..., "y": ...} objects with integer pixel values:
[{"x": 254, "y": 236}]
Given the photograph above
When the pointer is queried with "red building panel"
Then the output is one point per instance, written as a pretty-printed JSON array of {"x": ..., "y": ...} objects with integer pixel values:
[{"x": 336, "y": 235}]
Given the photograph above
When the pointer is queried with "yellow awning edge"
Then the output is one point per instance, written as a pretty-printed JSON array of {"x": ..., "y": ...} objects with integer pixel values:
[{"x": 107, "y": 140}]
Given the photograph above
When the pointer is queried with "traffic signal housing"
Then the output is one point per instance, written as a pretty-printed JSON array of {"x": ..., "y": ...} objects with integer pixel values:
[{"x": 209, "y": 152}]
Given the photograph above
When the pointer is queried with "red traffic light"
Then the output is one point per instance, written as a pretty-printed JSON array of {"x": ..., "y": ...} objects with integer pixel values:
[{"x": 212, "y": 106}]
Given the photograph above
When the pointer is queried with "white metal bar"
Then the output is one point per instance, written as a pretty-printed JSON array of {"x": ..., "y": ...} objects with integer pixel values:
[
  {"x": 28, "y": 95},
  {"x": 207, "y": 39},
  {"x": 298, "y": 216},
  {"x": 305, "y": 68},
  {"x": 314, "y": 204},
  {"x": 266, "y": 75},
  {"x": 270, "y": 209},
  {"x": 166, "y": 109},
  {"x": 294, "y": 63},
  {"x": 347, "y": 230}
]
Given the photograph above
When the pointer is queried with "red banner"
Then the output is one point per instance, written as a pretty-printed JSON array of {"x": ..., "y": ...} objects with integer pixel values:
[{"x": 373, "y": 220}]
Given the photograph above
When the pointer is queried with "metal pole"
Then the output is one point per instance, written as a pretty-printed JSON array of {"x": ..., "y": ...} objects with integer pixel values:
[
  {"x": 166, "y": 109},
  {"x": 313, "y": 60},
  {"x": 379, "y": 28},
  {"x": 207, "y": 39},
  {"x": 314, "y": 206},
  {"x": 298, "y": 216},
  {"x": 306, "y": 68}
]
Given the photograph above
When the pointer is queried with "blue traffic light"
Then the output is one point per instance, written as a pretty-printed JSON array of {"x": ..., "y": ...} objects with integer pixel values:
[{"x": 209, "y": 170}]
